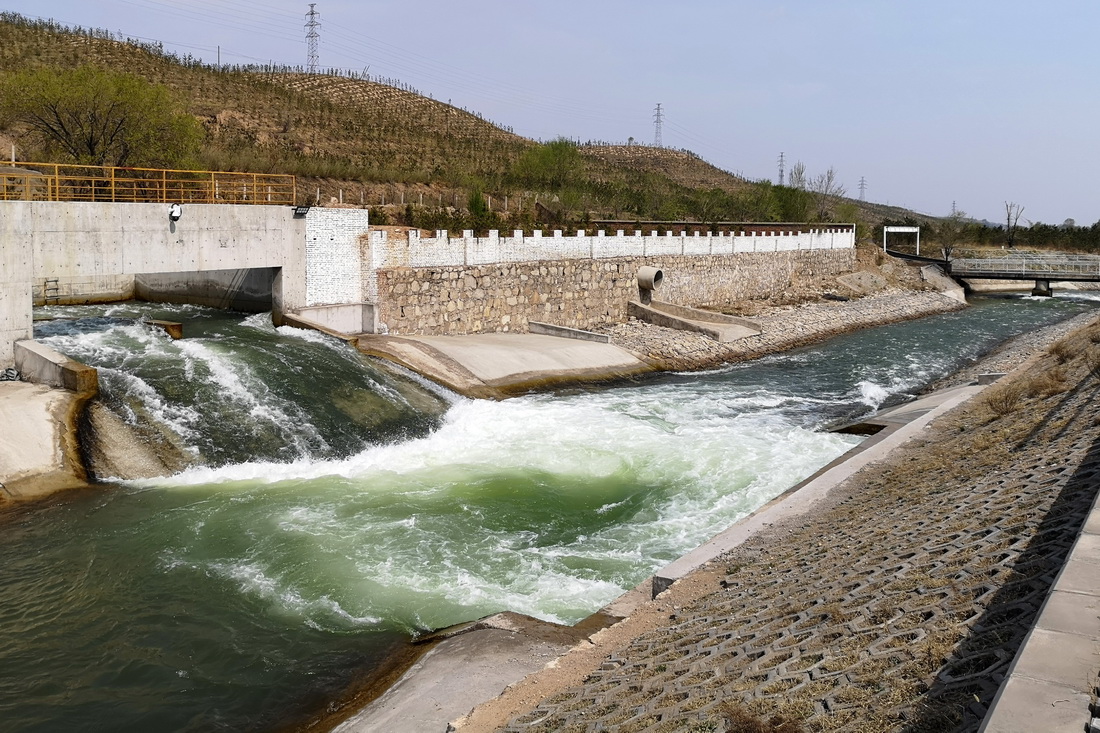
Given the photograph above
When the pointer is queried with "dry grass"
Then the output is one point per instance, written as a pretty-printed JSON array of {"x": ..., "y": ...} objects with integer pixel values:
[
  {"x": 1047, "y": 383},
  {"x": 1002, "y": 400},
  {"x": 1062, "y": 350},
  {"x": 739, "y": 719},
  {"x": 1092, "y": 362}
]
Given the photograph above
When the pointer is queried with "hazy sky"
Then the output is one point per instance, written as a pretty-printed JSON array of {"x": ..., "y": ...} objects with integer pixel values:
[{"x": 932, "y": 101}]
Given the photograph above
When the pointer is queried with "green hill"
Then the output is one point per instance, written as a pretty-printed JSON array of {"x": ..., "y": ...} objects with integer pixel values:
[{"x": 364, "y": 141}]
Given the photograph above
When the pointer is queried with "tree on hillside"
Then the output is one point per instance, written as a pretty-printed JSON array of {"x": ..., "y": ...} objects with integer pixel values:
[
  {"x": 98, "y": 117},
  {"x": 796, "y": 179},
  {"x": 951, "y": 231},
  {"x": 793, "y": 203},
  {"x": 550, "y": 166},
  {"x": 1012, "y": 216},
  {"x": 849, "y": 212},
  {"x": 825, "y": 188}
]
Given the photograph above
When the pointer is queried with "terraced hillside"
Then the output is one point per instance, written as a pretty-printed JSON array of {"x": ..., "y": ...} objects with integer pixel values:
[
  {"x": 364, "y": 141},
  {"x": 680, "y": 166}
]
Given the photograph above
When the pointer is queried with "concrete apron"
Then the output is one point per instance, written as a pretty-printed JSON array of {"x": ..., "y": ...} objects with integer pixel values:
[
  {"x": 39, "y": 448},
  {"x": 476, "y": 662},
  {"x": 497, "y": 365}
]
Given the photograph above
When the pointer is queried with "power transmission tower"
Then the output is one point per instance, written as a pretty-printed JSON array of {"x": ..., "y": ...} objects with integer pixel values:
[
  {"x": 312, "y": 24},
  {"x": 862, "y": 188},
  {"x": 953, "y": 209},
  {"x": 782, "y": 161},
  {"x": 657, "y": 117}
]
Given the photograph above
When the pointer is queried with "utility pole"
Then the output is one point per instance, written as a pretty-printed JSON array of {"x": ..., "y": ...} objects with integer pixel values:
[
  {"x": 312, "y": 24},
  {"x": 782, "y": 162},
  {"x": 657, "y": 117},
  {"x": 862, "y": 188}
]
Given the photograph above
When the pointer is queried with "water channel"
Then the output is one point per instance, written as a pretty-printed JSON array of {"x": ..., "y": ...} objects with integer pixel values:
[{"x": 334, "y": 507}]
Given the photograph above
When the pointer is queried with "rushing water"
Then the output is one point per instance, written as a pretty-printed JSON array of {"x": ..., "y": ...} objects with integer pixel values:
[{"x": 334, "y": 507}]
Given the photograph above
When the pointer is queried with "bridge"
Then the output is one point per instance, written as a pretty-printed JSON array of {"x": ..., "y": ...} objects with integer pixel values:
[{"x": 1041, "y": 268}]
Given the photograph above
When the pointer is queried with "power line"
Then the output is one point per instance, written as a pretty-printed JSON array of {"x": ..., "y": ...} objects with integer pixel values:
[
  {"x": 312, "y": 24},
  {"x": 657, "y": 127}
]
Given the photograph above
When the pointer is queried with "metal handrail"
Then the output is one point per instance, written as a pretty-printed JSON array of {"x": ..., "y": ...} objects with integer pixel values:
[
  {"x": 1030, "y": 266},
  {"x": 63, "y": 182}
]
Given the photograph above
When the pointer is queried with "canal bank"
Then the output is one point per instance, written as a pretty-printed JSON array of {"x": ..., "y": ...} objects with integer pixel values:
[{"x": 899, "y": 600}]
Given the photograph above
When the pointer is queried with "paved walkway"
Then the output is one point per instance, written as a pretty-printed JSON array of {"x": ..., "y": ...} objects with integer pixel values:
[{"x": 901, "y": 604}]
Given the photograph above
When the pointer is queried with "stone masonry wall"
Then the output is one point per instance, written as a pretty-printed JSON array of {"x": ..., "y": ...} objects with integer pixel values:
[{"x": 579, "y": 293}]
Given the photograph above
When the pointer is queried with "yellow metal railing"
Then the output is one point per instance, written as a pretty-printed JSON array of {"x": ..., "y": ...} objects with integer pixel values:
[{"x": 60, "y": 182}]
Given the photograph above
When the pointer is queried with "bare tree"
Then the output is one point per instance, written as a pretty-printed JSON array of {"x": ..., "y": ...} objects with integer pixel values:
[
  {"x": 825, "y": 188},
  {"x": 1012, "y": 220},
  {"x": 951, "y": 232},
  {"x": 797, "y": 177}
]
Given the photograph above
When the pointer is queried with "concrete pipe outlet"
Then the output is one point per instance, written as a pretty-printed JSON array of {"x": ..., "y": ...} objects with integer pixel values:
[{"x": 649, "y": 279}]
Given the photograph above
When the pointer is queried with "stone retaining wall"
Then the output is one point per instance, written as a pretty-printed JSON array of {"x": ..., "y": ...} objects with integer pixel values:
[{"x": 580, "y": 293}]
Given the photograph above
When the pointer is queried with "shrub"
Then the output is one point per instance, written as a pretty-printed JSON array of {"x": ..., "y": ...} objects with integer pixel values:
[{"x": 1003, "y": 399}]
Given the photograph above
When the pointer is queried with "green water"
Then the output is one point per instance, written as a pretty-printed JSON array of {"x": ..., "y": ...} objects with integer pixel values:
[{"x": 311, "y": 536}]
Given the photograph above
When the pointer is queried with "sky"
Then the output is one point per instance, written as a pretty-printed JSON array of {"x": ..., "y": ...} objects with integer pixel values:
[{"x": 933, "y": 103}]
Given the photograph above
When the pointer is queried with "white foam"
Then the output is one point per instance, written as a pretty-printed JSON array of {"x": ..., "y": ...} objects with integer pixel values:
[
  {"x": 872, "y": 394},
  {"x": 253, "y": 580}
]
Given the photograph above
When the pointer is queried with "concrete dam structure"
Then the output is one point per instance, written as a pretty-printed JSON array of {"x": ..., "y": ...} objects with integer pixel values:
[
  {"x": 324, "y": 266},
  {"x": 81, "y": 252}
]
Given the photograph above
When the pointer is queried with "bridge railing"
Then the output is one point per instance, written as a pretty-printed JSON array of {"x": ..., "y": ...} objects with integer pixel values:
[
  {"x": 1030, "y": 266},
  {"x": 59, "y": 182}
]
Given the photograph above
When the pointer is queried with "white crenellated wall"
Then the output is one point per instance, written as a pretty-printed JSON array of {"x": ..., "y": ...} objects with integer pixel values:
[{"x": 443, "y": 250}]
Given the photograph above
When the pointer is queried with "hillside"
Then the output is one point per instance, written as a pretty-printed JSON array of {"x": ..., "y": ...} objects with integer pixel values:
[
  {"x": 679, "y": 166},
  {"x": 361, "y": 140}
]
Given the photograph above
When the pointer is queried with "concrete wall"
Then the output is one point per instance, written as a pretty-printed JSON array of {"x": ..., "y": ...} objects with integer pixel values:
[
  {"x": 16, "y": 271},
  {"x": 80, "y": 290},
  {"x": 46, "y": 240},
  {"x": 240, "y": 290},
  {"x": 350, "y": 319},
  {"x": 580, "y": 293}
]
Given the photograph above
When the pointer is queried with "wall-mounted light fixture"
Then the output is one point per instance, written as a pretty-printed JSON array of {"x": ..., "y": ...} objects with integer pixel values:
[
  {"x": 301, "y": 210},
  {"x": 175, "y": 211}
]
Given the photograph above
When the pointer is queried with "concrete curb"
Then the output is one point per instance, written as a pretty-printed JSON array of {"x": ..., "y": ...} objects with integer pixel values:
[
  {"x": 549, "y": 329},
  {"x": 1053, "y": 678},
  {"x": 42, "y": 365}
]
